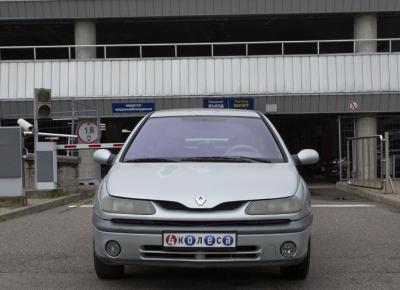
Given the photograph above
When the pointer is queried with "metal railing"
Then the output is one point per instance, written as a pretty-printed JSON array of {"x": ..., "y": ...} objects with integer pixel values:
[
  {"x": 394, "y": 153},
  {"x": 62, "y": 127},
  {"x": 338, "y": 46},
  {"x": 368, "y": 162}
]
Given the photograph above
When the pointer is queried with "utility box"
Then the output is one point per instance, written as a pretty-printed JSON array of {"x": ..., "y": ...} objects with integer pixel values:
[
  {"x": 11, "y": 173},
  {"x": 46, "y": 166}
]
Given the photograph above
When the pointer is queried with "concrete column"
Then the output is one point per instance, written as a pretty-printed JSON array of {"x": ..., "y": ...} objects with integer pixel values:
[
  {"x": 366, "y": 125},
  {"x": 85, "y": 33},
  {"x": 365, "y": 27}
]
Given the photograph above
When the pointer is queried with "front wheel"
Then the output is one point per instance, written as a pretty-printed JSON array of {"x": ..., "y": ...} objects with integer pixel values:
[
  {"x": 104, "y": 271},
  {"x": 299, "y": 271}
]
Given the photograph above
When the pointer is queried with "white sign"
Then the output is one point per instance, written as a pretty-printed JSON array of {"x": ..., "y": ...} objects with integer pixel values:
[
  {"x": 271, "y": 108},
  {"x": 88, "y": 132}
]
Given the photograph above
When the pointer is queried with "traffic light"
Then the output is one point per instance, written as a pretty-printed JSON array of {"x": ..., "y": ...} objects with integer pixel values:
[{"x": 43, "y": 103}]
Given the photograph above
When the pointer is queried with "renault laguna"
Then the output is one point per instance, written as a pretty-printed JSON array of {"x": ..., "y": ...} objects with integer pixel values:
[{"x": 205, "y": 188}]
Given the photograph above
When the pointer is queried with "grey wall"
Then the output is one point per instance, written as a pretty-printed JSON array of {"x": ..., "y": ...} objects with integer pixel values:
[
  {"x": 203, "y": 76},
  {"x": 54, "y": 9},
  {"x": 286, "y": 104},
  {"x": 67, "y": 173}
]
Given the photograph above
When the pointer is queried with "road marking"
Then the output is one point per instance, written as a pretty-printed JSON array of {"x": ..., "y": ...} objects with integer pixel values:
[
  {"x": 343, "y": 205},
  {"x": 81, "y": 206}
]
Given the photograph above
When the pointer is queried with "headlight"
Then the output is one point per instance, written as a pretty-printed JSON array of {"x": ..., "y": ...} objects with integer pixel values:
[
  {"x": 127, "y": 206},
  {"x": 274, "y": 206}
]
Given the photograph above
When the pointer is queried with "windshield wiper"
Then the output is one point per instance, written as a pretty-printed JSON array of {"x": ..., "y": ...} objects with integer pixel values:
[
  {"x": 234, "y": 159},
  {"x": 150, "y": 160},
  {"x": 226, "y": 159}
]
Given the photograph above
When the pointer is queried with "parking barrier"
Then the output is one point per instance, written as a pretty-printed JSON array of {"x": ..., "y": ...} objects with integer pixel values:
[{"x": 90, "y": 146}]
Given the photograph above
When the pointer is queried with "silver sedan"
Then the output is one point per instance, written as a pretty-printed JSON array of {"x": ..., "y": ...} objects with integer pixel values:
[{"x": 203, "y": 188}]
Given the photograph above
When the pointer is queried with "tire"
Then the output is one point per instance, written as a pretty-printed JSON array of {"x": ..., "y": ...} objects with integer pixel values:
[
  {"x": 299, "y": 271},
  {"x": 104, "y": 271}
]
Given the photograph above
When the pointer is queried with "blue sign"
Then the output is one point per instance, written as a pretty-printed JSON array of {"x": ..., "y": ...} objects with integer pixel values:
[
  {"x": 133, "y": 107},
  {"x": 216, "y": 103},
  {"x": 229, "y": 103},
  {"x": 241, "y": 103}
]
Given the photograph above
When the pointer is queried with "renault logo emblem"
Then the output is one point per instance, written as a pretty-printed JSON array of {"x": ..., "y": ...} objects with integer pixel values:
[{"x": 200, "y": 200}]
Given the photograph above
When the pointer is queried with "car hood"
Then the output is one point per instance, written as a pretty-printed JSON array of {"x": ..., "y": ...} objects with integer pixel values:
[{"x": 216, "y": 182}]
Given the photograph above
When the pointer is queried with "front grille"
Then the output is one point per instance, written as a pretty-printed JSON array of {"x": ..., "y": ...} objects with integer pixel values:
[
  {"x": 171, "y": 205},
  {"x": 241, "y": 253},
  {"x": 189, "y": 223}
]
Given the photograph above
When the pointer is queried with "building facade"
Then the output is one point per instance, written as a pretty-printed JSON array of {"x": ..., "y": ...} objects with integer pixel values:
[{"x": 322, "y": 70}]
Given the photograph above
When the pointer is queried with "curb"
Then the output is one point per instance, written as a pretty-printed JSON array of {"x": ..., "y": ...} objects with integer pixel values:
[
  {"x": 19, "y": 212},
  {"x": 387, "y": 199},
  {"x": 321, "y": 187}
]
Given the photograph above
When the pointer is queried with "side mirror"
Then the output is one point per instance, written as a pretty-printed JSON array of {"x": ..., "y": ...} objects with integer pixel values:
[
  {"x": 306, "y": 157},
  {"x": 103, "y": 156}
]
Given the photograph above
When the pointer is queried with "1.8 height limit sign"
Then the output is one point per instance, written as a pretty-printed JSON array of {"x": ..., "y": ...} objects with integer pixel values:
[{"x": 88, "y": 132}]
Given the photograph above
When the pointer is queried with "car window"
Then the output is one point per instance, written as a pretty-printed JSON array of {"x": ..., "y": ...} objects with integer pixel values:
[{"x": 204, "y": 136}]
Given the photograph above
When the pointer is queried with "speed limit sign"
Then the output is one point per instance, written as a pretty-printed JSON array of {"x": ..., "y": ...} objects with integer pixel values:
[{"x": 88, "y": 132}]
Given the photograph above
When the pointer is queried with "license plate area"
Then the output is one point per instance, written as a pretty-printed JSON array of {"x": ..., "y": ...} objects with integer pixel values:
[{"x": 179, "y": 240}]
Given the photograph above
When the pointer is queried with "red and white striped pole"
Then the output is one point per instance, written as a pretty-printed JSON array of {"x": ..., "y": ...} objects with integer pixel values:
[{"x": 90, "y": 146}]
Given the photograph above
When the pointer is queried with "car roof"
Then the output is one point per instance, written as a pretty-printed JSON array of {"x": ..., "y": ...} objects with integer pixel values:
[{"x": 205, "y": 112}]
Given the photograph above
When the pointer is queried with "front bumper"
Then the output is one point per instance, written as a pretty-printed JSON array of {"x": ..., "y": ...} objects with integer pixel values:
[{"x": 256, "y": 246}]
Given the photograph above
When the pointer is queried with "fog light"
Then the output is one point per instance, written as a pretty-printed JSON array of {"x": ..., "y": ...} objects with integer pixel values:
[
  {"x": 288, "y": 249},
  {"x": 113, "y": 248}
]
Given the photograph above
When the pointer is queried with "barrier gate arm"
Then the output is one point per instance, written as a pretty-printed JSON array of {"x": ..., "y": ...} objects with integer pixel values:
[
  {"x": 90, "y": 146},
  {"x": 27, "y": 133}
]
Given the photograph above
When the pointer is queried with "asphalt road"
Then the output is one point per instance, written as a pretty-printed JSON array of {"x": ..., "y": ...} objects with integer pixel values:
[{"x": 353, "y": 248}]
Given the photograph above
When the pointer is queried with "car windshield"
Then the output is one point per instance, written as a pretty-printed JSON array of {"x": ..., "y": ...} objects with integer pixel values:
[{"x": 204, "y": 138}]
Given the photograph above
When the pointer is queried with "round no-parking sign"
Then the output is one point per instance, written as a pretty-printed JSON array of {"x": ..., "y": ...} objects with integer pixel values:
[
  {"x": 354, "y": 105},
  {"x": 88, "y": 132}
]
